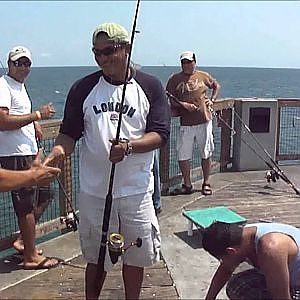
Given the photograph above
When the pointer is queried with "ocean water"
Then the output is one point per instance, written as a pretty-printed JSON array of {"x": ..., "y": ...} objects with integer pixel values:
[{"x": 51, "y": 84}]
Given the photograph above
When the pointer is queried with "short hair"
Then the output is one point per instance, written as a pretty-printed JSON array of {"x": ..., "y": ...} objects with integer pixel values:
[{"x": 220, "y": 235}]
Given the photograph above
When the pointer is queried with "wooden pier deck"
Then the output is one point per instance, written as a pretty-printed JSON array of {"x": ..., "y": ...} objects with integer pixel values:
[
  {"x": 255, "y": 199},
  {"x": 67, "y": 282},
  {"x": 244, "y": 192}
]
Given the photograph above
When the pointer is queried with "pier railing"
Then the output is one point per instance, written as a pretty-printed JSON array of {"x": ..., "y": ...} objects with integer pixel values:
[
  {"x": 288, "y": 129},
  {"x": 287, "y": 148}
]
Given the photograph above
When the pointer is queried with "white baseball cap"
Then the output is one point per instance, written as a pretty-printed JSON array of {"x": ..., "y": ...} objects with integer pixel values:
[
  {"x": 18, "y": 52},
  {"x": 189, "y": 55}
]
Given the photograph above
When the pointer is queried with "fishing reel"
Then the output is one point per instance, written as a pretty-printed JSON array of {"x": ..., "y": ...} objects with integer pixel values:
[
  {"x": 70, "y": 220},
  {"x": 116, "y": 248},
  {"x": 272, "y": 176}
]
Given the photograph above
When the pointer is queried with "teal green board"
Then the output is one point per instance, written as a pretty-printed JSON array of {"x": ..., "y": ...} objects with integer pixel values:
[{"x": 205, "y": 217}]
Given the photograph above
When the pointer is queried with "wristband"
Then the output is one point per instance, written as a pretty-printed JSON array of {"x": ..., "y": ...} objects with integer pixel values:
[{"x": 38, "y": 115}]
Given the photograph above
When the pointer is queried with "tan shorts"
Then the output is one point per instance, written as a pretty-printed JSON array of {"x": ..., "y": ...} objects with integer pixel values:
[
  {"x": 204, "y": 138},
  {"x": 133, "y": 217}
]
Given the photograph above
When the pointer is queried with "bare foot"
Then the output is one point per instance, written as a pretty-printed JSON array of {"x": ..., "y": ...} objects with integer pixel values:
[
  {"x": 42, "y": 263},
  {"x": 19, "y": 247}
]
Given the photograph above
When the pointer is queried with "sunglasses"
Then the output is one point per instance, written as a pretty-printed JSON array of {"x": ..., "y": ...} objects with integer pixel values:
[
  {"x": 186, "y": 61},
  {"x": 19, "y": 63},
  {"x": 107, "y": 50}
]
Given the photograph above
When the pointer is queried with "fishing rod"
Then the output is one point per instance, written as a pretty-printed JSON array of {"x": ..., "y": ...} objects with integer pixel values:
[
  {"x": 277, "y": 172},
  {"x": 177, "y": 101},
  {"x": 71, "y": 220},
  {"x": 273, "y": 175},
  {"x": 116, "y": 240}
]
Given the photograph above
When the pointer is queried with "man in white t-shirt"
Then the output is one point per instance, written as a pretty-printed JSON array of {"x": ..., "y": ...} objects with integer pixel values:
[{"x": 18, "y": 149}]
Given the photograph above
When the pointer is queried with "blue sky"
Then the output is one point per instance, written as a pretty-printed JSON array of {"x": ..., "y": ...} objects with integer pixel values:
[{"x": 222, "y": 33}]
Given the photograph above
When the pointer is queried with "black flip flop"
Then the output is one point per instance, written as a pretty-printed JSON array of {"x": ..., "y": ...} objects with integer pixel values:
[
  {"x": 184, "y": 190},
  {"x": 206, "y": 189}
]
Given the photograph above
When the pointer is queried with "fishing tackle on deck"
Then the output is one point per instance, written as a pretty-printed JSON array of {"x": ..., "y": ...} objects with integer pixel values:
[
  {"x": 275, "y": 171},
  {"x": 272, "y": 176},
  {"x": 274, "y": 166}
]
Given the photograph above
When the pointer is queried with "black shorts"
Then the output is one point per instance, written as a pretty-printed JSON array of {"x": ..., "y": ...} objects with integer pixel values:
[{"x": 25, "y": 199}]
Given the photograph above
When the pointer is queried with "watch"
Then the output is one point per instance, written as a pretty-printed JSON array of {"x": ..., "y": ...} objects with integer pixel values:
[{"x": 129, "y": 149}]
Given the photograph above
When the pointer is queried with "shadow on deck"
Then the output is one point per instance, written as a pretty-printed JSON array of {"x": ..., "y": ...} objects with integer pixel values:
[{"x": 186, "y": 269}]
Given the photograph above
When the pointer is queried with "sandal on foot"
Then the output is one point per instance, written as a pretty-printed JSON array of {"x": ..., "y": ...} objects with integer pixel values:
[
  {"x": 206, "y": 189},
  {"x": 46, "y": 263},
  {"x": 184, "y": 190}
]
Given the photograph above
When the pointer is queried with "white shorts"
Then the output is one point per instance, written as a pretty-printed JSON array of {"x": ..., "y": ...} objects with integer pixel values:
[
  {"x": 133, "y": 217},
  {"x": 204, "y": 137}
]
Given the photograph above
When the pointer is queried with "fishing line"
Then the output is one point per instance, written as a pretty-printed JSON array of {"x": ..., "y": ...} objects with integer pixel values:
[
  {"x": 71, "y": 220},
  {"x": 244, "y": 141},
  {"x": 270, "y": 175},
  {"x": 109, "y": 197},
  {"x": 278, "y": 170}
]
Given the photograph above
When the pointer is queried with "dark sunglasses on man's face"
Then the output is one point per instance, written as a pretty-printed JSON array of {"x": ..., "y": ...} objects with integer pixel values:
[
  {"x": 20, "y": 63},
  {"x": 186, "y": 61},
  {"x": 107, "y": 50}
]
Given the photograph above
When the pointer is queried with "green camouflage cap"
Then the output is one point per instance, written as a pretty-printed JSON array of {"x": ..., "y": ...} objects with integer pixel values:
[{"x": 115, "y": 32}]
